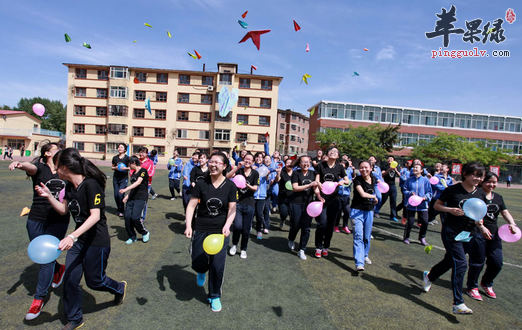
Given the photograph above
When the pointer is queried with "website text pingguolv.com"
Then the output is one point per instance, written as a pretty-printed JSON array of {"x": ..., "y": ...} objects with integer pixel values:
[{"x": 475, "y": 52}]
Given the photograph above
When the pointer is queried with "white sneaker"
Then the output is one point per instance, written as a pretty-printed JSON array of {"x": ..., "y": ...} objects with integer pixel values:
[
  {"x": 367, "y": 261},
  {"x": 461, "y": 309},
  {"x": 243, "y": 254},
  {"x": 301, "y": 255},
  {"x": 360, "y": 268},
  {"x": 233, "y": 250},
  {"x": 291, "y": 245},
  {"x": 426, "y": 284}
]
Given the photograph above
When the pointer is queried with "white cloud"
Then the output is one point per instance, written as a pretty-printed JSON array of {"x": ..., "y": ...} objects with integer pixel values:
[{"x": 386, "y": 54}]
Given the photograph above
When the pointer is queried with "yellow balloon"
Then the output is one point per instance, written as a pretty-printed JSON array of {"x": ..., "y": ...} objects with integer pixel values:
[
  {"x": 213, "y": 243},
  {"x": 393, "y": 164}
]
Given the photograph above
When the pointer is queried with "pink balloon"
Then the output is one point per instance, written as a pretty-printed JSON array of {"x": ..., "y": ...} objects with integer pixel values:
[
  {"x": 240, "y": 181},
  {"x": 383, "y": 187},
  {"x": 506, "y": 235},
  {"x": 314, "y": 209},
  {"x": 415, "y": 200},
  {"x": 329, "y": 187},
  {"x": 61, "y": 195},
  {"x": 434, "y": 180},
  {"x": 39, "y": 109}
]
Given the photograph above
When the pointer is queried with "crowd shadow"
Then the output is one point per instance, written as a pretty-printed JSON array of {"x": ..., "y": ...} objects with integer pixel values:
[
  {"x": 121, "y": 233},
  {"x": 174, "y": 216},
  {"x": 181, "y": 281},
  {"x": 414, "y": 275},
  {"x": 177, "y": 227}
]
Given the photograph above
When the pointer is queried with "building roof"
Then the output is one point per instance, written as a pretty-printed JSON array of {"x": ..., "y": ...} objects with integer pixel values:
[{"x": 18, "y": 112}]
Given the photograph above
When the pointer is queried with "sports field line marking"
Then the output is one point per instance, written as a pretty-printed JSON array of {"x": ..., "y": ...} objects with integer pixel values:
[{"x": 435, "y": 246}]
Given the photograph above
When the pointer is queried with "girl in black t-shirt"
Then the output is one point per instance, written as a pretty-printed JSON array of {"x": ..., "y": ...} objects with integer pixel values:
[
  {"x": 199, "y": 172},
  {"x": 136, "y": 201},
  {"x": 43, "y": 219},
  {"x": 120, "y": 177},
  {"x": 89, "y": 244},
  {"x": 284, "y": 176},
  {"x": 217, "y": 197},
  {"x": 489, "y": 251}
]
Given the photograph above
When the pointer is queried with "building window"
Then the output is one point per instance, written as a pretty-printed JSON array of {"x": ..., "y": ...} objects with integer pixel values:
[
  {"x": 264, "y": 120},
  {"x": 243, "y": 102},
  {"x": 101, "y": 130},
  {"x": 101, "y": 111},
  {"x": 242, "y": 119},
  {"x": 118, "y": 110},
  {"x": 183, "y": 115},
  {"x": 409, "y": 139},
  {"x": 79, "y": 128},
  {"x": 182, "y": 151},
  {"x": 99, "y": 147},
  {"x": 162, "y": 78},
  {"x": 266, "y": 84},
  {"x": 283, "y": 116},
  {"x": 119, "y": 73},
  {"x": 222, "y": 135},
  {"x": 81, "y": 73},
  {"x": 206, "y": 99},
  {"x": 281, "y": 137},
  {"x": 139, "y": 113},
  {"x": 112, "y": 147},
  {"x": 103, "y": 75},
  {"x": 138, "y": 131},
  {"x": 261, "y": 138},
  {"x": 184, "y": 79},
  {"x": 241, "y": 137},
  {"x": 204, "y": 117},
  {"x": 299, "y": 128},
  {"x": 101, "y": 93},
  {"x": 80, "y": 146},
  {"x": 136, "y": 148},
  {"x": 140, "y": 95},
  {"x": 81, "y": 92},
  {"x": 293, "y": 127},
  {"x": 159, "y": 132},
  {"x": 282, "y": 126},
  {"x": 304, "y": 131},
  {"x": 118, "y": 92},
  {"x": 79, "y": 110},
  {"x": 119, "y": 129},
  {"x": 160, "y": 114},
  {"x": 244, "y": 83},
  {"x": 411, "y": 117},
  {"x": 207, "y": 81},
  {"x": 183, "y": 98},
  {"x": 225, "y": 79},
  {"x": 292, "y": 138},
  {"x": 266, "y": 103},
  {"x": 182, "y": 134},
  {"x": 226, "y": 119},
  {"x": 141, "y": 76},
  {"x": 161, "y": 96},
  {"x": 294, "y": 116},
  {"x": 204, "y": 135},
  {"x": 160, "y": 150}
]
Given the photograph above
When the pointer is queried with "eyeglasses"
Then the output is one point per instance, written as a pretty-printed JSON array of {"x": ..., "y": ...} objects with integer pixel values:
[
  {"x": 54, "y": 148},
  {"x": 213, "y": 162}
]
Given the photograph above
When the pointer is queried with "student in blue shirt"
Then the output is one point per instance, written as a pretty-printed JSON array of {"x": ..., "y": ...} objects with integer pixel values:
[
  {"x": 445, "y": 180},
  {"x": 420, "y": 186},
  {"x": 194, "y": 161},
  {"x": 174, "y": 173},
  {"x": 262, "y": 224}
]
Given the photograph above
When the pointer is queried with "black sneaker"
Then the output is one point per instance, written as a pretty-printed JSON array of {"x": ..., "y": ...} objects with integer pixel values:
[
  {"x": 118, "y": 297},
  {"x": 73, "y": 325}
]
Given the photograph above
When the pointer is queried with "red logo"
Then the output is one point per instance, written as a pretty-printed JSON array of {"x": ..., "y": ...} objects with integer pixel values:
[{"x": 510, "y": 15}]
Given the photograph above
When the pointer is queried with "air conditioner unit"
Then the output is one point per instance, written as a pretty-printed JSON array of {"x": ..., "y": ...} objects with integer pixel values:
[
  {"x": 210, "y": 88},
  {"x": 244, "y": 144}
]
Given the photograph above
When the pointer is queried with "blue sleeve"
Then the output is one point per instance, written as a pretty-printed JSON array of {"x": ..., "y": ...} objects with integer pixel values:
[
  {"x": 267, "y": 148},
  {"x": 429, "y": 192}
]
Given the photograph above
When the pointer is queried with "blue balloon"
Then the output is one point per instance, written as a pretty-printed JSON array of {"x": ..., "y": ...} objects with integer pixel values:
[
  {"x": 475, "y": 209},
  {"x": 121, "y": 166},
  {"x": 44, "y": 249}
]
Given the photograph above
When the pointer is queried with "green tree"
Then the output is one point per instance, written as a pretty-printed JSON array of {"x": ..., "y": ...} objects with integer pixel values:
[
  {"x": 5, "y": 107},
  {"x": 54, "y": 117}
]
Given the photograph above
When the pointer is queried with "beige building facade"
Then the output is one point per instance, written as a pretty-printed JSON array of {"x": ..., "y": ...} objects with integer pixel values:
[
  {"x": 106, "y": 106},
  {"x": 292, "y": 132}
]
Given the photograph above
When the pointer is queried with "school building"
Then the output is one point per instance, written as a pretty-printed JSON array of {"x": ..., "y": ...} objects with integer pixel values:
[
  {"x": 292, "y": 132},
  {"x": 106, "y": 106}
]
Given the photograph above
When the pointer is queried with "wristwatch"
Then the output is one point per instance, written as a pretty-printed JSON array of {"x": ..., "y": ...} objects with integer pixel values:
[{"x": 74, "y": 238}]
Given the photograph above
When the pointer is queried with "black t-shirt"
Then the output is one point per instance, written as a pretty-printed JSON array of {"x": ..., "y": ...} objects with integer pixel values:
[
  {"x": 245, "y": 195},
  {"x": 389, "y": 177},
  {"x": 89, "y": 195},
  {"x": 284, "y": 178},
  {"x": 118, "y": 175},
  {"x": 359, "y": 202},
  {"x": 305, "y": 196},
  {"x": 41, "y": 210},
  {"x": 197, "y": 174},
  {"x": 495, "y": 206},
  {"x": 213, "y": 204},
  {"x": 455, "y": 196},
  {"x": 334, "y": 174},
  {"x": 141, "y": 192}
]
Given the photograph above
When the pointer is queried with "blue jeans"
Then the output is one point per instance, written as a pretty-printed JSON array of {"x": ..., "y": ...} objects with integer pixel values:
[
  {"x": 242, "y": 224},
  {"x": 118, "y": 198},
  {"x": 362, "y": 233}
]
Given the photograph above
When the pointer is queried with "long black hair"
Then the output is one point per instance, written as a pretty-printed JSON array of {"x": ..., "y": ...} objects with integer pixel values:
[
  {"x": 472, "y": 168},
  {"x": 72, "y": 159},
  {"x": 46, "y": 145},
  {"x": 488, "y": 176}
]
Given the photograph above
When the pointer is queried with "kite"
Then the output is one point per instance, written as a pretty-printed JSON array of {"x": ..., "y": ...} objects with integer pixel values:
[
  {"x": 245, "y": 107},
  {"x": 491, "y": 30},
  {"x": 227, "y": 100},
  {"x": 355, "y": 74},
  {"x": 135, "y": 41},
  {"x": 307, "y": 48},
  {"x": 256, "y": 37},
  {"x": 267, "y": 135},
  {"x": 296, "y": 26},
  {"x": 136, "y": 80},
  {"x": 253, "y": 67},
  {"x": 305, "y": 78},
  {"x": 193, "y": 56},
  {"x": 147, "y": 24},
  {"x": 147, "y": 106},
  {"x": 428, "y": 249},
  {"x": 240, "y": 123},
  {"x": 67, "y": 38},
  {"x": 244, "y": 14},
  {"x": 366, "y": 49},
  {"x": 25, "y": 211},
  {"x": 86, "y": 45},
  {"x": 197, "y": 54},
  {"x": 313, "y": 111},
  {"x": 244, "y": 25},
  {"x": 168, "y": 33}
]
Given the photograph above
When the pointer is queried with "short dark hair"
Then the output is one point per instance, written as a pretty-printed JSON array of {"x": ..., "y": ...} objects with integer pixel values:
[
  {"x": 134, "y": 160},
  {"x": 122, "y": 144},
  {"x": 145, "y": 149}
]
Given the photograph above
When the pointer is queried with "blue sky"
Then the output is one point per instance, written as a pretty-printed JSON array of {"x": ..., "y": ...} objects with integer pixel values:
[{"x": 397, "y": 70}]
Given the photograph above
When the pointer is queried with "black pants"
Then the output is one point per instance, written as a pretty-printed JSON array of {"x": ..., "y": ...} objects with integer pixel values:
[
  {"x": 481, "y": 250},
  {"x": 345, "y": 208},
  {"x": 242, "y": 224},
  {"x": 134, "y": 218},
  {"x": 423, "y": 219},
  {"x": 284, "y": 208},
  {"x": 261, "y": 222},
  {"x": 173, "y": 185},
  {"x": 186, "y": 196},
  {"x": 325, "y": 223},
  {"x": 300, "y": 221}
]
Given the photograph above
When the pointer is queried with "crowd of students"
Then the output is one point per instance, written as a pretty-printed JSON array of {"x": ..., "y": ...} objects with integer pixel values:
[{"x": 213, "y": 204}]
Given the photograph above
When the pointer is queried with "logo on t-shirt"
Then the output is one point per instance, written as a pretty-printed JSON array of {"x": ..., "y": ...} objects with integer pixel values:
[
  {"x": 213, "y": 206},
  {"x": 492, "y": 209},
  {"x": 55, "y": 186},
  {"x": 329, "y": 177},
  {"x": 74, "y": 208},
  {"x": 305, "y": 182}
]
